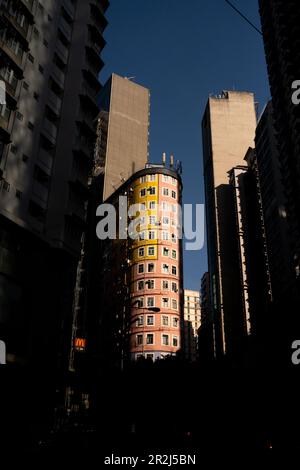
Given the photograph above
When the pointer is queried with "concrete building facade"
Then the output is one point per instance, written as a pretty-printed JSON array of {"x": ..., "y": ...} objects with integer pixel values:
[
  {"x": 192, "y": 322},
  {"x": 228, "y": 130},
  {"x": 50, "y": 61},
  {"x": 124, "y": 130}
]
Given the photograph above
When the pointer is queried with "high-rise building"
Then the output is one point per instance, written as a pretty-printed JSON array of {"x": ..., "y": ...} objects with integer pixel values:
[
  {"x": 141, "y": 286},
  {"x": 121, "y": 149},
  {"x": 206, "y": 337},
  {"x": 280, "y": 27},
  {"x": 123, "y": 131},
  {"x": 255, "y": 287},
  {"x": 273, "y": 203},
  {"x": 192, "y": 321},
  {"x": 228, "y": 129},
  {"x": 50, "y": 62}
]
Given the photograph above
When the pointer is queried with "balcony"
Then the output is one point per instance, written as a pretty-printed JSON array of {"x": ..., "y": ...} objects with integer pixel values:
[
  {"x": 84, "y": 148},
  {"x": 69, "y": 7},
  {"x": 62, "y": 51},
  {"x": 55, "y": 102},
  {"x": 50, "y": 130},
  {"x": 66, "y": 28},
  {"x": 99, "y": 11},
  {"x": 59, "y": 76},
  {"x": 46, "y": 159},
  {"x": 28, "y": 4},
  {"x": 79, "y": 176},
  {"x": 17, "y": 59},
  {"x": 23, "y": 31},
  {"x": 41, "y": 192},
  {"x": 10, "y": 86},
  {"x": 77, "y": 210}
]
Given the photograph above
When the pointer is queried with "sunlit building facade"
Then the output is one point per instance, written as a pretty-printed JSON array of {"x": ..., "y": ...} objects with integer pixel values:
[{"x": 144, "y": 272}]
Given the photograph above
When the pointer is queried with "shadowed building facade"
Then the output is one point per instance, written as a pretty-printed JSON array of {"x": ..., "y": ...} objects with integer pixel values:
[
  {"x": 228, "y": 130},
  {"x": 50, "y": 61}
]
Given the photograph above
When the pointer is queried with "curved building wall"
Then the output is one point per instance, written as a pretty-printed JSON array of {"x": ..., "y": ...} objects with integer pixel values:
[{"x": 156, "y": 267}]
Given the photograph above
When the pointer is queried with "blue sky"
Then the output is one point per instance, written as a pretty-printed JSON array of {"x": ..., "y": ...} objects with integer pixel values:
[{"x": 183, "y": 51}]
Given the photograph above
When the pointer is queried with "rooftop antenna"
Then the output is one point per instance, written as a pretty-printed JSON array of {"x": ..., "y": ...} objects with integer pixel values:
[
  {"x": 129, "y": 78},
  {"x": 164, "y": 158},
  {"x": 171, "y": 161}
]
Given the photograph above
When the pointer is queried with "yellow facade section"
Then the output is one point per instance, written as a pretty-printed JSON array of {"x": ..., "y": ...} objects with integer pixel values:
[{"x": 142, "y": 195}]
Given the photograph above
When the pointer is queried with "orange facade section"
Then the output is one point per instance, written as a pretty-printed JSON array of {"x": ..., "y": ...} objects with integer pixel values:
[{"x": 156, "y": 268}]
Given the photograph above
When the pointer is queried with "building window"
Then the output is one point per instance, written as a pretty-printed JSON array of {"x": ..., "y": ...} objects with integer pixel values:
[
  {"x": 36, "y": 96},
  {"x": 165, "y": 191},
  {"x": 41, "y": 69},
  {"x": 142, "y": 207},
  {"x": 175, "y": 322},
  {"x": 20, "y": 116},
  {"x": 174, "y": 304},
  {"x": 150, "y": 302},
  {"x": 150, "y": 320},
  {"x": 165, "y": 251},
  {"x": 165, "y": 320},
  {"x": 165, "y": 220},
  {"x": 174, "y": 287},
  {"x": 150, "y": 267},
  {"x": 143, "y": 179},
  {"x": 152, "y": 205},
  {"x": 140, "y": 268},
  {"x": 151, "y": 235},
  {"x": 150, "y": 357},
  {"x": 152, "y": 220},
  {"x": 165, "y": 235},
  {"x": 165, "y": 268},
  {"x": 151, "y": 251},
  {"x": 165, "y": 302},
  {"x": 165, "y": 340},
  {"x": 150, "y": 338},
  {"x": 173, "y": 208},
  {"x": 152, "y": 190},
  {"x": 140, "y": 321},
  {"x": 174, "y": 238},
  {"x": 175, "y": 341},
  {"x": 140, "y": 302},
  {"x": 174, "y": 270},
  {"x": 141, "y": 252},
  {"x": 140, "y": 285},
  {"x": 30, "y": 126},
  {"x": 165, "y": 207},
  {"x": 139, "y": 340},
  {"x": 5, "y": 186},
  {"x": 165, "y": 178},
  {"x": 173, "y": 180},
  {"x": 152, "y": 177},
  {"x": 174, "y": 255},
  {"x": 14, "y": 149},
  {"x": 143, "y": 192},
  {"x": 165, "y": 285},
  {"x": 150, "y": 283},
  {"x": 174, "y": 194},
  {"x": 142, "y": 235}
]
